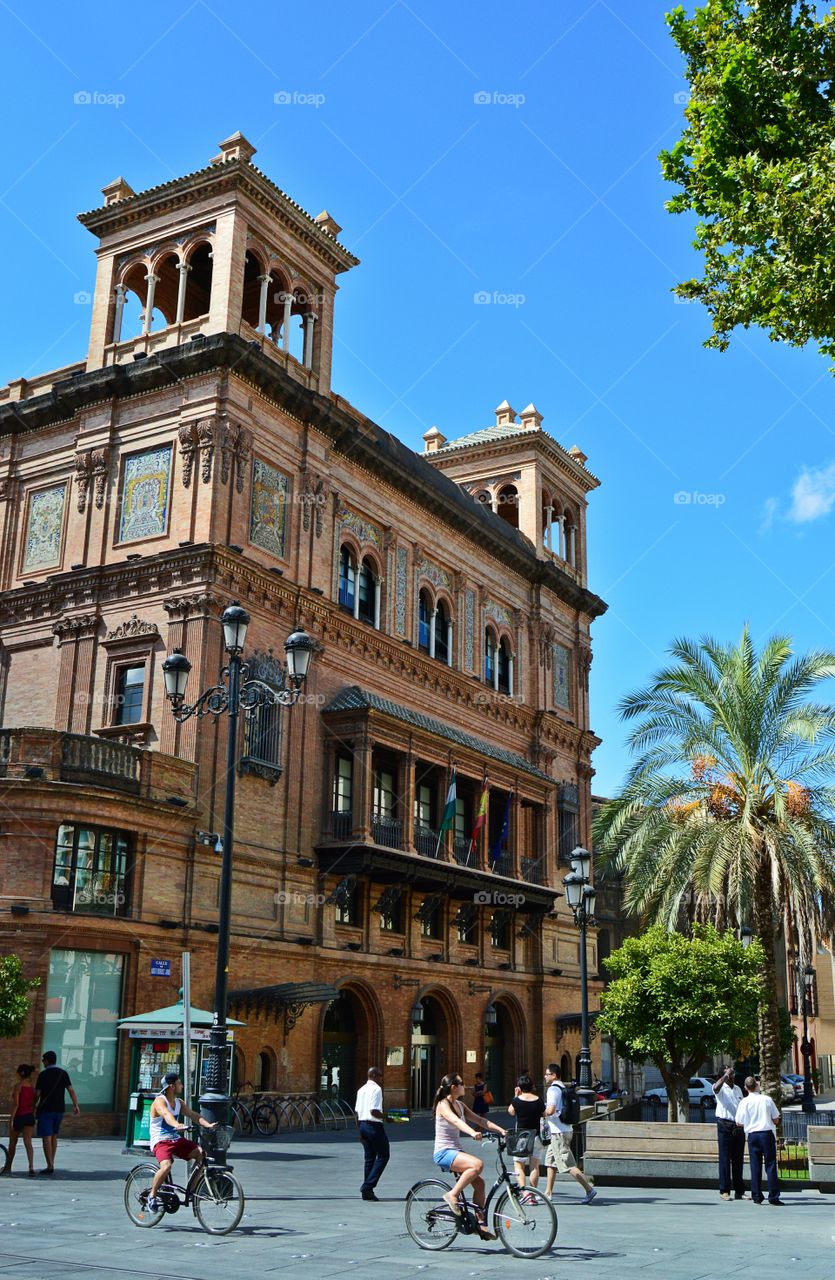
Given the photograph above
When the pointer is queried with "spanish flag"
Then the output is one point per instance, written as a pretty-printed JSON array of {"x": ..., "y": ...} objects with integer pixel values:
[{"x": 481, "y": 815}]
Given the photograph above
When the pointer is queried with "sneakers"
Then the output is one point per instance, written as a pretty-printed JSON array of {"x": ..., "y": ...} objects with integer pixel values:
[
  {"x": 154, "y": 1203},
  {"x": 724, "y": 1195},
  {"x": 587, "y": 1199}
]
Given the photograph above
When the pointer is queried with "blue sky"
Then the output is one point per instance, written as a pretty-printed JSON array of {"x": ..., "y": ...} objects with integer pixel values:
[{"x": 548, "y": 193}]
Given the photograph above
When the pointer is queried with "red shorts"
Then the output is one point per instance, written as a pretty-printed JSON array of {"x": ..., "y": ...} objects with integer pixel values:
[{"x": 171, "y": 1147}]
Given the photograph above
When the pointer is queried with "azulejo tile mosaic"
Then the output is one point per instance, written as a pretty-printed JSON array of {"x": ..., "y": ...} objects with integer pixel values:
[
  {"x": 44, "y": 525},
  {"x": 268, "y": 508},
  {"x": 562, "y": 670},
  {"x": 146, "y": 485}
]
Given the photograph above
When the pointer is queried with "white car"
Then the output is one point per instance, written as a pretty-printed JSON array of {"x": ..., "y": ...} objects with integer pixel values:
[{"x": 699, "y": 1089}]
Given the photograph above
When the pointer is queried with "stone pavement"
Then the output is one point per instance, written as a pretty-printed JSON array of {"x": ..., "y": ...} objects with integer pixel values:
[{"x": 304, "y": 1219}]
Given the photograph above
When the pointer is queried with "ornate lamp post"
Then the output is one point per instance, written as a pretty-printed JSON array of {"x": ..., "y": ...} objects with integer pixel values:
[
  {"x": 235, "y": 693},
  {"x": 580, "y": 896},
  {"x": 807, "y": 987}
]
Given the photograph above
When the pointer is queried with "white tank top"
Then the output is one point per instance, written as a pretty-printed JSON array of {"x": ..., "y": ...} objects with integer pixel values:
[{"x": 159, "y": 1128}]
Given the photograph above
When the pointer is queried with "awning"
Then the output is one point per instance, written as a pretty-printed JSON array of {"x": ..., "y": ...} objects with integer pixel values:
[
  {"x": 172, "y": 1016},
  {"x": 288, "y": 998}
]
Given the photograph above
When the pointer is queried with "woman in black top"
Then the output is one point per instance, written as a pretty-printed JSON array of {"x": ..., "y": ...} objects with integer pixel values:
[{"x": 528, "y": 1108}]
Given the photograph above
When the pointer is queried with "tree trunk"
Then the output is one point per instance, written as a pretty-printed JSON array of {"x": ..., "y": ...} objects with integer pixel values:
[
  {"x": 678, "y": 1099},
  {"x": 769, "y": 1017}
]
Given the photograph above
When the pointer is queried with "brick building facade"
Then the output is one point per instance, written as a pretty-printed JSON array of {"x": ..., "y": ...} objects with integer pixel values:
[{"x": 204, "y": 458}]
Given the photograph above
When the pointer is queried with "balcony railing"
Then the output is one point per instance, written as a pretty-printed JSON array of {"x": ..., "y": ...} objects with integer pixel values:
[
  {"x": 462, "y": 853},
  {"x": 387, "y": 831},
  {"x": 86, "y": 759},
  {"x": 533, "y": 870},
  {"x": 426, "y": 842},
  {"x": 5, "y": 750},
  {"x": 342, "y": 824},
  {"x": 503, "y": 865}
]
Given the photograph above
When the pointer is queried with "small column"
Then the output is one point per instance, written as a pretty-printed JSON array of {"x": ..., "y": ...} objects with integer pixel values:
[
  {"x": 516, "y": 834},
  {"x": 357, "y": 577},
  {"x": 496, "y": 654},
  {"x": 570, "y": 555},
  {"x": 561, "y": 524},
  {"x": 117, "y": 315},
  {"x": 451, "y": 640},
  {"x": 378, "y": 593},
  {"x": 407, "y": 791},
  {"x": 183, "y": 269},
  {"x": 510, "y": 687},
  {"x": 287, "y": 299},
  {"x": 309, "y": 321},
  {"x": 432, "y": 632},
  {"x": 148, "y": 314},
  {"x": 264, "y": 282}
]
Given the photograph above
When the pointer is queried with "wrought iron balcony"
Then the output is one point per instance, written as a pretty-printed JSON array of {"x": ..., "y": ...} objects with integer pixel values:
[
  {"x": 533, "y": 870},
  {"x": 503, "y": 865},
  {"x": 426, "y": 842},
  {"x": 462, "y": 852},
  {"x": 342, "y": 824},
  {"x": 387, "y": 831}
]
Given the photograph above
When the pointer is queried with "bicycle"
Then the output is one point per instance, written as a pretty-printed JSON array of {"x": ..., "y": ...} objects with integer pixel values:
[
  {"x": 214, "y": 1193},
  {"x": 522, "y": 1217},
  {"x": 242, "y": 1111}
]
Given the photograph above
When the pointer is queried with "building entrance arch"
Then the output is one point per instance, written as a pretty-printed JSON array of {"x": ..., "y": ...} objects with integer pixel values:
[
  {"x": 430, "y": 1053},
  {"x": 350, "y": 1044}
]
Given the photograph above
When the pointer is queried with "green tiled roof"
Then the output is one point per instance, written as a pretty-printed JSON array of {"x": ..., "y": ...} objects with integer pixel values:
[
  {"x": 353, "y": 698},
  {"x": 486, "y": 435}
]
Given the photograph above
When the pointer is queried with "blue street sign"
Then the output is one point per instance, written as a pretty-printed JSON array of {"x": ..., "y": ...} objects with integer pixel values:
[{"x": 160, "y": 968}]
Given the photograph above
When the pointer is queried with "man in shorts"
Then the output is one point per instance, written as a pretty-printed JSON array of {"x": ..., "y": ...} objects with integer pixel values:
[
  {"x": 558, "y": 1154},
  {"x": 166, "y": 1128},
  {"x": 50, "y": 1107}
]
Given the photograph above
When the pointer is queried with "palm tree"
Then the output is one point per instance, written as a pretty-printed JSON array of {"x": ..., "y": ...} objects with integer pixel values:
[{"x": 728, "y": 811}]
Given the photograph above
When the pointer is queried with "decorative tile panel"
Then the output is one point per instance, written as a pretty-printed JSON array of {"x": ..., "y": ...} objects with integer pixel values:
[
  {"x": 363, "y": 529},
  {"x": 400, "y": 591},
  {"x": 438, "y": 577},
  {"x": 469, "y": 629},
  {"x": 145, "y": 494},
  {"x": 268, "y": 509},
  {"x": 562, "y": 677},
  {"x": 501, "y": 616},
  {"x": 44, "y": 525}
]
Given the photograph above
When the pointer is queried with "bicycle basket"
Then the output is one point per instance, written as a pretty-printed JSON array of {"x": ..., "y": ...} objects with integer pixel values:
[
  {"x": 521, "y": 1142},
  {"x": 218, "y": 1140}
]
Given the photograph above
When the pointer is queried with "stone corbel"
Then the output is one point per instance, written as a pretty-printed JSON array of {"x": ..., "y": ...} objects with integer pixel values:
[
  {"x": 67, "y": 629},
  {"x": 229, "y": 436},
  {"x": 101, "y": 461},
  {"x": 188, "y": 443},
  {"x": 206, "y": 445},
  {"x": 243, "y": 448},
  {"x": 83, "y": 475},
  {"x": 315, "y": 497}
]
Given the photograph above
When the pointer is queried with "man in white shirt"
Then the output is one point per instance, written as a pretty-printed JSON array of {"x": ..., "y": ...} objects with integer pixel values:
[
  {"x": 757, "y": 1114},
  {"x": 558, "y": 1153},
  {"x": 730, "y": 1136},
  {"x": 371, "y": 1124}
]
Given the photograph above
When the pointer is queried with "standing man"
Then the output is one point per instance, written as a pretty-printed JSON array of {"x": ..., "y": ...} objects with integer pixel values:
[
  {"x": 50, "y": 1106},
  {"x": 371, "y": 1124},
  {"x": 757, "y": 1115},
  {"x": 730, "y": 1136},
  {"x": 558, "y": 1153}
]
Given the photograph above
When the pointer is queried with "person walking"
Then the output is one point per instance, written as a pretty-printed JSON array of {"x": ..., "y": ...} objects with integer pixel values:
[
  {"x": 558, "y": 1154},
  {"x": 730, "y": 1137},
  {"x": 452, "y": 1118},
  {"x": 480, "y": 1104},
  {"x": 757, "y": 1114},
  {"x": 22, "y": 1117},
  {"x": 50, "y": 1107},
  {"x": 527, "y": 1108},
  {"x": 371, "y": 1124}
]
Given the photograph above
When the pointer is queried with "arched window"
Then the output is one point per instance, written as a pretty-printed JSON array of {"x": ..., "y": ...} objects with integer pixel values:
[
  {"x": 367, "y": 599},
  {"x": 347, "y": 579},
  {"x": 254, "y": 270},
  {"x": 504, "y": 673},
  {"x": 565, "y": 1068},
  {"x": 443, "y": 633},
  {"x": 131, "y": 295},
  {"x": 425, "y": 612},
  {"x": 482, "y": 497},
  {"x": 197, "y": 286},
  {"x": 570, "y": 540},
  {"x": 263, "y": 1081},
  {"x": 166, "y": 289},
  {"x": 546, "y": 520},
  {"x": 490, "y": 656},
  {"x": 554, "y": 530},
  {"x": 508, "y": 504}
]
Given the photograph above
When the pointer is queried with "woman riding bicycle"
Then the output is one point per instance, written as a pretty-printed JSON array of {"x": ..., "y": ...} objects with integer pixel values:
[{"x": 453, "y": 1118}]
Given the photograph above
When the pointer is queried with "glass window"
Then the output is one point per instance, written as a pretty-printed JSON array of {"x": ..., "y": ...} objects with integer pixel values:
[
  {"x": 367, "y": 592},
  {"x": 467, "y": 925},
  {"x": 430, "y": 920},
  {"x": 83, "y": 1005},
  {"x": 504, "y": 667},
  {"x": 423, "y": 806},
  {"x": 347, "y": 579},
  {"x": 461, "y": 827},
  {"x": 424, "y": 613},
  {"x": 383, "y": 794},
  {"x": 391, "y": 917},
  {"x": 489, "y": 656},
  {"x": 130, "y": 688},
  {"x": 90, "y": 873},
  {"x": 348, "y": 906},
  {"x": 342, "y": 784},
  {"x": 442, "y": 633},
  {"x": 499, "y": 932}
]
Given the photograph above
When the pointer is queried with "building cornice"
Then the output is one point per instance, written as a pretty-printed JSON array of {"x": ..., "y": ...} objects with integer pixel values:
[{"x": 508, "y": 450}]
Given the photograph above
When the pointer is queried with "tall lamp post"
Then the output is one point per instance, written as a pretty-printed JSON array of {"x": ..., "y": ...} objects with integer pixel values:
[
  {"x": 580, "y": 895},
  {"x": 234, "y": 693},
  {"x": 806, "y": 988}
]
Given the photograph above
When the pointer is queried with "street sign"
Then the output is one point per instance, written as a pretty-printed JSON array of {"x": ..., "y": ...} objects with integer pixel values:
[{"x": 160, "y": 968}]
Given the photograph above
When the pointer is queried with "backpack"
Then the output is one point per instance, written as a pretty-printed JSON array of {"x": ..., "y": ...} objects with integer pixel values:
[{"x": 569, "y": 1112}]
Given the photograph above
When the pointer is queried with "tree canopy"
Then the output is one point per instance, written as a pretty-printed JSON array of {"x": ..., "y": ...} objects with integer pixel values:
[
  {"x": 756, "y": 164},
  {"x": 14, "y": 996}
]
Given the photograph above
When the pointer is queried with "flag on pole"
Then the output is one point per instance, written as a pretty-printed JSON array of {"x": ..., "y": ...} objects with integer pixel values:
[
  {"x": 496, "y": 851},
  {"x": 481, "y": 816},
  {"x": 448, "y": 819}
]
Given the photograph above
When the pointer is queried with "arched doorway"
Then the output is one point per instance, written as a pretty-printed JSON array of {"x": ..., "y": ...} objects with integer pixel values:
[
  {"x": 565, "y": 1067},
  {"x": 430, "y": 1053},
  {"x": 505, "y": 1050},
  {"x": 339, "y": 1049}
]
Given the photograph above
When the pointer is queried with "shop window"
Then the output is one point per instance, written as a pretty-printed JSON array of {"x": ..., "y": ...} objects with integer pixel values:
[
  {"x": 83, "y": 1006},
  {"x": 91, "y": 870}
]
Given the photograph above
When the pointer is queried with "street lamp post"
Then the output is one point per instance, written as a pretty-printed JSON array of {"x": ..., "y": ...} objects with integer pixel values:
[
  {"x": 808, "y": 1105},
  {"x": 580, "y": 895},
  {"x": 235, "y": 693}
]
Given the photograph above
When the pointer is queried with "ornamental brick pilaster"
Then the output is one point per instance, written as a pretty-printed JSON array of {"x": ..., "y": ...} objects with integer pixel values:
[{"x": 77, "y": 644}]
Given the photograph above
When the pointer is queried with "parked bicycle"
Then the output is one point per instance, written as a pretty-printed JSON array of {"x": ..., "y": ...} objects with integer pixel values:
[
  {"x": 241, "y": 1111},
  {"x": 523, "y": 1218},
  {"x": 214, "y": 1193}
]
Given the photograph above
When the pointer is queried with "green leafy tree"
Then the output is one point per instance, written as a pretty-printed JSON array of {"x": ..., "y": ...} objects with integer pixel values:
[
  {"x": 14, "y": 996},
  {"x": 678, "y": 1000},
  {"x": 728, "y": 812},
  {"x": 756, "y": 164}
]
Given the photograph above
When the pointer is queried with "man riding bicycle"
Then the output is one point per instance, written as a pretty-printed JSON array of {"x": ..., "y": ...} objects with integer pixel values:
[{"x": 166, "y": 1128}]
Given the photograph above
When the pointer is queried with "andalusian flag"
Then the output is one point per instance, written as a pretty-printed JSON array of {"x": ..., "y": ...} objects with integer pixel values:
[
  {"x": 448, "y": 820},
  {"x": 481, "y": 815}
]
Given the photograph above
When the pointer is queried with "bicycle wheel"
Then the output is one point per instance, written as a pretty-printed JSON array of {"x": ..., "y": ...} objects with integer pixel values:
[
  {"x": 137, "y": 1190},
  {"x": 429, "y": 1220},
  {"x": 218, "y": 1201},
  {"x": 265, "y": 1118},
  {"x": 241, "y": 1120},
  {"x": 525, "y": 1222}
]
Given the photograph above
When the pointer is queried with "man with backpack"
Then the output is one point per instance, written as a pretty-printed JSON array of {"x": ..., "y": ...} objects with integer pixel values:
[{"x": 562, "y": 1112}]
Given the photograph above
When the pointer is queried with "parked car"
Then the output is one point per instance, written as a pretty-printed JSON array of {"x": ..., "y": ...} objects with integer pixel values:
[
  {"x": 793, "y": 1081},
  {"x": 699, "y": 1089}
]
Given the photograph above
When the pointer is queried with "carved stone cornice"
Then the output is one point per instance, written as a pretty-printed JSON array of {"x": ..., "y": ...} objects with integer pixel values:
[
  {"x": 77, "y": 628},
  {"x": 196, "y": 604},
  {"x": 133, "y": 628}
]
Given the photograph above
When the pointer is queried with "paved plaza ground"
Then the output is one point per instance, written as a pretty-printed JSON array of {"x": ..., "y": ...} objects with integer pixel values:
[{"x": 304, "y": 1219}]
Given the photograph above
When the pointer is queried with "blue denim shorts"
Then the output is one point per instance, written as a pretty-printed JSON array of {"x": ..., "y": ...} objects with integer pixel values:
[
  {"x": 443, "y": 1159},
  {"x": 49, "y": 1122}
]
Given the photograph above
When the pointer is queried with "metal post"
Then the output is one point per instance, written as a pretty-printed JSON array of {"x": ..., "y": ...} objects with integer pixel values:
[
  {"x": 585, "y": 1053},
  {"x": 214, "y": 1102},
  {"x": 188, "y": 1093},
  {"x": 808, "y": 1105}
]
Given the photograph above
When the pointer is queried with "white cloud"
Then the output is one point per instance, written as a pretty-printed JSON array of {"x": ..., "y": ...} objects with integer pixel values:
[
  {"x": 770, "y": 507},
  {"x": 813, "y": 494}
]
